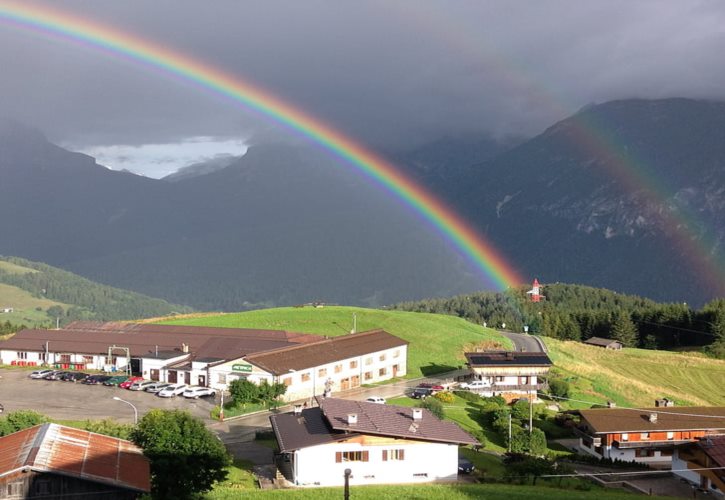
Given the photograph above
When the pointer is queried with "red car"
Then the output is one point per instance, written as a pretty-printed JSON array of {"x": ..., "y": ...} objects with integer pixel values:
[
  {"x": 127, "y": 383},
  {"x": 433, "y": 387}
]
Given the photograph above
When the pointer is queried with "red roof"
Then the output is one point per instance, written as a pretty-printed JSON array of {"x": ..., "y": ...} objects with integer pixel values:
[{"x": 73, "y": 452}]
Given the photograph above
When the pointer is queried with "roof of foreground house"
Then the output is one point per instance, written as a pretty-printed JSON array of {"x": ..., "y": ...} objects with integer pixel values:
[
  {"x": 329, "y": 423},
  {"x": 73, "y": 452}
]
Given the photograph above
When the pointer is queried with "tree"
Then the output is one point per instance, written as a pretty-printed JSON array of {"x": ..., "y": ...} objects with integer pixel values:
[
  {"x": 518, "y": 465},
  {"x": 559, "y": 387},
  {"x": 186, "y": 458},
  {"x": 623, "y": 329},
  {"x": 243, "y": 391},
  {"x": 434, "y": 406},
  {"x": 19, "y": 420}
]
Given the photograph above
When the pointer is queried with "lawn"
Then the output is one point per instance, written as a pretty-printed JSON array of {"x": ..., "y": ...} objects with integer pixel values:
[
  {"x": 637, "y": 376},
  {"x": 432, "y": 491},
  {"x": 437, "y": 342},
  {"x": 11, "y": 268}
]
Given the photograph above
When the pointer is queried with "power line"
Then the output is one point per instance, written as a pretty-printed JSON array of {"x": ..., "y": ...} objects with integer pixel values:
[
  {"x": 673, "y": 327},
  {"x": 649, "y": 410},
  {"x": 663, "y": 471}
]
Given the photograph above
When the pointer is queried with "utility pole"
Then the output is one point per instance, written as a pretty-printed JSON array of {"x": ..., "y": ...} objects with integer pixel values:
[
  {"x": 354, "y": 323},
  {"x": 531, "y": 413},
  {"x": 509, "y": 432}
]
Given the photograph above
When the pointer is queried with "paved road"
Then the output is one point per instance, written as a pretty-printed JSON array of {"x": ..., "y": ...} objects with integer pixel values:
[{"x": 524, "y": 342}]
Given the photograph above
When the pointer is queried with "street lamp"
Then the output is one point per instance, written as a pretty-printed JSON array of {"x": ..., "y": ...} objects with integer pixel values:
[
  {"x": 135, "y": 411},
  {"x": 346, "y": 492}
]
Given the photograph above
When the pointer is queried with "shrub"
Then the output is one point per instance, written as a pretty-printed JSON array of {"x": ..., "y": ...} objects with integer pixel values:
[
  {"x": 434, "y": 406},
  {"x": 445, "y": 397},
  {"x": 559, "y": 387},
  {"x": 469, "y": 396}
]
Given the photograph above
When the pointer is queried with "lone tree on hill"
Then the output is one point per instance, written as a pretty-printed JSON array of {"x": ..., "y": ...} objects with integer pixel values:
[
  {"x": 624, "y": 330},
  {"x": 186, "y": 458}
]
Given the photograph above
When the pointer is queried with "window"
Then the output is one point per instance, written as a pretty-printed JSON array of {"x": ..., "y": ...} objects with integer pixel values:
[
  {"x": 368, "y": 375},
  {"x": 353, "y": 364},
  {"x": 22, "y": 355},
  {"x": 322, "y": 372},
  {"x": 382, "y": 357},
  {"x": 338, "y": 368},
  {"x": 42, "y": 356},
  {"x": 396, "y": 354},
  {"x": 666, "y": 453},
  {"x": 499, "y": 379},
  {"x": 15, "y": 489},
  {"x": 421, "y": 474},
  {"x": 644, "y": 435},
  {"x": 305, "y": 377},
  {"x": 625, "y": 437},
  {"x": 352, "y": 456},
  {"x": 221, "y": 378},
  {"x": 65, "y": 358},
  {"x": 382, "y": 372},
  {"x": 88, "y": 359},
  {"x": 287, "y": 381},
  {"x": 644, "y": 453},
  {"x": 670, "y": 435},
  {"x": 393, "y": 455},
  {"x": 369, "y": 361}
]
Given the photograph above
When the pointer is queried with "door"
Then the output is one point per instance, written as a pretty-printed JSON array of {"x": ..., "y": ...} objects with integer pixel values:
[
  {"x": 355, "y": 381},
  {"x": 154, "y": 375},
  {"x": 344, "y": 384},
  {"x": 202, "y": 380},
  {"x": 187, "y": 378},
  {"x": 172, "y": 376}
]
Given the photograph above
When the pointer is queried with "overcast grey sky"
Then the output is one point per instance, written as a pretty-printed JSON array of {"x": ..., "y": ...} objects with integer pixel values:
[{"x": 390, "y": 74}]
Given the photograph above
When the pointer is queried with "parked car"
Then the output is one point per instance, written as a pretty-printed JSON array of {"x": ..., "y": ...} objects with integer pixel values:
[
  {"x": 474, "y": 385},
  {"x": 422, "y": 392},
  {"x": 140, "y": 385},
  {"x": 115, "y": 380},
  {"x": 38, "y": 374},
  {"x": 172, "y": 390},
  {"x": 74, "y": 377},
  {"x": 96, "y": 379},
  {"x": 156, "y": 386},
  {"x": 197, "y": 392},
  {"x": 376, "y": 399},
  {"x": 129, "y": 381},
  {"x": 56, "y": 375},
  {"x": 433, "y": 387},
  {"x": 465, "y": 466}
]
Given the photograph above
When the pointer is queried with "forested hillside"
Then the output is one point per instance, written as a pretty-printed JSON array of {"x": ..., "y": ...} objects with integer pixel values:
[
  {"x": 574, "y": 312},
  {"x": 83, "y": 299}
]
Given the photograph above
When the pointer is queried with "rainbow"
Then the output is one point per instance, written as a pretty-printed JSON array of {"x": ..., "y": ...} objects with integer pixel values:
[{"x": 446, "y": 222}]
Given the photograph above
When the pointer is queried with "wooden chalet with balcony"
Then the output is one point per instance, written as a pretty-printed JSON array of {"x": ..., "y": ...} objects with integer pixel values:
[{"x": 509, "y": 374}]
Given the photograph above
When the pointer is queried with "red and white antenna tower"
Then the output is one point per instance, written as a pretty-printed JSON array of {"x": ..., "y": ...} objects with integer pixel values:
[{"x": 535, "y": 292}]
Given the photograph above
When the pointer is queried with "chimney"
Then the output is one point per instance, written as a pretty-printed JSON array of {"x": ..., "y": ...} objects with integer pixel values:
[
  {"x": 653, "y": 418},
  {"x": 417, "y": 414},
  {"x": 611, "y": 404},
  {"x": 298, "y": 409},
  {"x": 351, "y": 418},
  {"x": 184, "y": 347}
]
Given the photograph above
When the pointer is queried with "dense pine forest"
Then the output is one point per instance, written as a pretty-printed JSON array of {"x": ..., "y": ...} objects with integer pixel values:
[
  {"x": 89, "y": 300},
  {"x": 574, "y": 312}
]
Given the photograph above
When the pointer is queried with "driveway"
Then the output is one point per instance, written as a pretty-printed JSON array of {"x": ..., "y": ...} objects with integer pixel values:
[
  {"x": 525, "y": 342},
  {"x": 76, "y": 401}
]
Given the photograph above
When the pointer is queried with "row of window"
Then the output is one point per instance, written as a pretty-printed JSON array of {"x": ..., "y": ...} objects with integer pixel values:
[
  {"x": 62, "y": 358},
  {"x": 364, "y": 456},
  {"x": 322, "y": 372},
  {"x": 643, "y": 436}
]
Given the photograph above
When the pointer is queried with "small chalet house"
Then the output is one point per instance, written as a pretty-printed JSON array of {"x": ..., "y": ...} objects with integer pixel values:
[
  {"x": 612, "y": 344},
  {"x": 54, "y": 461},
  {"x": 702, "y": 463},
  {"x": 647, "y": 434},
  {"x": 380, "y": 444},
  {"x": 509, "y": 374}
]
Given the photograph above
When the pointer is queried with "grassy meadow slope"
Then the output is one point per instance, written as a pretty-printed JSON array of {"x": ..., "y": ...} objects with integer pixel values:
[
  {"x": 638, "y": 376},
  {"x": 437, "y": 341},
  {"x": 25, "y": 306}
]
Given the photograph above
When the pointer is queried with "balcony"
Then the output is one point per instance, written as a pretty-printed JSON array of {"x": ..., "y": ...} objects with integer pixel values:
[
  {"x": 649, "y": 443},
  {"x": 588, "y": 438}
]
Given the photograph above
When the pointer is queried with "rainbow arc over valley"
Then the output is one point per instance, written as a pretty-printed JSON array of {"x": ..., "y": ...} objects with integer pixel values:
[{"x": 447, "y": 223}]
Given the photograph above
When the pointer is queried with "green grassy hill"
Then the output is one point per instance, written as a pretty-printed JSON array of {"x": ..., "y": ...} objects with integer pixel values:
[
  {"x": 630, "y": 376},
  {"x": 437, "y": 342},
  {"x": 638, "y": 376},
  {"x": 30, "y": 288}
]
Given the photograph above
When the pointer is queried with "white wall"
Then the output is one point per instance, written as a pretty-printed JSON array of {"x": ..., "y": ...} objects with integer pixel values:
[
  {"x": 678, "y": 464},
  {"x": 316, "y": 466}
]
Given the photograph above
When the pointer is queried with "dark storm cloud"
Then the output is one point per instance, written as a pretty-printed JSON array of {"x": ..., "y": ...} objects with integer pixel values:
[{"x": 388, "y": 73}]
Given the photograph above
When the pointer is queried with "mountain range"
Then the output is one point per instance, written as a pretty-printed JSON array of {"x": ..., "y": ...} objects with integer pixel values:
[{"x": 289, "y": 224}]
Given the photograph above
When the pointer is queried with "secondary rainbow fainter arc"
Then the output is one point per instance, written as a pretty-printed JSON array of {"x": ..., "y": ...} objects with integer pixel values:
[{"x": 447, "y": 223}]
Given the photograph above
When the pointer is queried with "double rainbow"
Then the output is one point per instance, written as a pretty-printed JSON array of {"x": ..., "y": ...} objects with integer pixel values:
[{"x": 84, "y": 31}]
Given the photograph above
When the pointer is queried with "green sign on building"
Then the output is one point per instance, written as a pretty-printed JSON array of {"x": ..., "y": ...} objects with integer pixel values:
[{"x": 242, "y": 368}]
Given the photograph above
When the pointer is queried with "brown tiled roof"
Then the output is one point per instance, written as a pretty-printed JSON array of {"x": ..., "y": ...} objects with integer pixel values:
[
  {"x": 145, "y": 339},
  {"x": 507, "y": 358},
  {"x": 390, "y": 420},
  {"x": 684, "y": 418},
  {"x": 714, "y": 447},
  {"x": 300, "y": 357},
  {"x": 73, "y": 452},
  {"x": 598, "y": 341},
  {"x": 308, "y": 428}
]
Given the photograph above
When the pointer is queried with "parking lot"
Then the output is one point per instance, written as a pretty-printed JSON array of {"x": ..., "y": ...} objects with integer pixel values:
[{"x": 76, "y": 401}]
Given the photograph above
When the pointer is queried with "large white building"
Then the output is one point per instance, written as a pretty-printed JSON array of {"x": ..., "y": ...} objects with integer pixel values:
[
  {"x": 307, "y": 364},
  {"x": 380, "y": 444}
]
